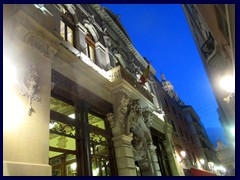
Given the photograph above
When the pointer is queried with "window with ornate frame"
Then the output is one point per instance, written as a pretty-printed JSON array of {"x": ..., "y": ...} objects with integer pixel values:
[{"x": 67, "y": 26}]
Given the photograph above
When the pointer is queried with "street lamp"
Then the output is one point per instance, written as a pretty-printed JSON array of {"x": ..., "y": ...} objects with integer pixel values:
[
  {"x": 182, "y": 156},
  {"x": 227, "y": 83},
  {"x": 202, "y": 161}
]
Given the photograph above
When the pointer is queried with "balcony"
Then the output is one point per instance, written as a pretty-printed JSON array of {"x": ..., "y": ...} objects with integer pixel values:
[
  {"x": 208, "y": 47},
  {"x": 118, "y": 73}
]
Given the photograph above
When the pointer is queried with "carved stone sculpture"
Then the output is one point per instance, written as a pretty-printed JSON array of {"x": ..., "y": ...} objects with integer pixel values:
[{"x": 31, "y": 86}]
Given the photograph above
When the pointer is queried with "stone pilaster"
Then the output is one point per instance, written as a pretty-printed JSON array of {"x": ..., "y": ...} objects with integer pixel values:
[
  {"x": 174, "y": 165},
  {"x": 154, "y": 159},
  {"x": 124, "y": 155},
  {"x": 26, "y": 102}
]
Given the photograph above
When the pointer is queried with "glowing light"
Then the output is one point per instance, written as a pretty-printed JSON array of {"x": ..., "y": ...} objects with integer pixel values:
[
  {"x": 95, "y": 172},
  {"x": 183, "y": 154},
  {"x": 51, "y": 125},
  {"x": 179, "y": 159},
  {"x": 72, "y": 116},
  {"x": 74, "y": 166},
  {"x": 11, "y": 99},
  {"x": 160, "y": 116},
  {"x": 228, "y": 84},
  {"x": 202, "y": 161},
  {"x": 233, "y": 131},
  {"x": 220, "y": 168}
]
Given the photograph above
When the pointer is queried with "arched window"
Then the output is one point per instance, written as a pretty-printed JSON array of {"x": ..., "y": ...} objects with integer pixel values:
[
  {"x": 67, "y": 26},
  {"x": 90, "y": 47}
]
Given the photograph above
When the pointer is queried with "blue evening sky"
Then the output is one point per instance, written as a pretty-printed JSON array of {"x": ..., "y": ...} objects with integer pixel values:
[{"x": 160, "y": 33}]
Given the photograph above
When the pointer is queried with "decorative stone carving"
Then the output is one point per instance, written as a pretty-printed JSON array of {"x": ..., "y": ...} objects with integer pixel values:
[
  {"x": 91, "y": 19},
  {"x": 107, "y": 40},
  {"x": 138, "y": 147},
  {"x": 111, "y": 119},
  {"x": 148, "y": 117},
  {"x": 43, "y": 9},
  {"x": 31, "y": 86},
  {"x": 89, "y": 25},
  {"x": 134, "y": 110},
  {"x": 123, "y": 108},
  {"x": 37, "y": 42}
]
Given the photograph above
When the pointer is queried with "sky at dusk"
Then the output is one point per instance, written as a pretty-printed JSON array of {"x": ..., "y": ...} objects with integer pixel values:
[{"x": 160, "y": 33}]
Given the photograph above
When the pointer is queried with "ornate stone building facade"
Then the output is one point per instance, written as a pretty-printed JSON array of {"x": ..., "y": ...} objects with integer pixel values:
[
  {"x": 78, "y": 106},
  {"x": 73, "y": 104}
]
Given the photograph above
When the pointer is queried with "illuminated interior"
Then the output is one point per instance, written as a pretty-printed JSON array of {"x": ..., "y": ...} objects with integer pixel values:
[{"x": 62, "y": 142}]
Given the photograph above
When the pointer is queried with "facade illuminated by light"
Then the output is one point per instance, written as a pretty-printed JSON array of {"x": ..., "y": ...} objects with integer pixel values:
[{"x": 73, "y": 104}]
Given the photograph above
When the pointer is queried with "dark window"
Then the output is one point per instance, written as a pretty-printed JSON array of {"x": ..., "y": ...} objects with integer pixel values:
[{"x": 90, "y": 47}]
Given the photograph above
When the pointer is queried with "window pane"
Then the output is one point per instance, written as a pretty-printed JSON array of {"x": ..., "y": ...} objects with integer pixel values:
[
  {"x": 92, "y": 54},
  {"x": 62, "y": 29},
  {"x": 62, "y": 142},
  {"x": 100, "y": 155},
  {"x": 62, "y": 107},
  {"x": 96, "y": 121},
  {"x": 61, "y": 128},
  {"x": 69, "y": 35}
]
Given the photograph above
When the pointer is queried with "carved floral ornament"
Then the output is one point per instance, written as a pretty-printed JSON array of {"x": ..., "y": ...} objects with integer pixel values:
[
  {"x": 37, "y": 42},
  {"x": 30, "y": 86}
]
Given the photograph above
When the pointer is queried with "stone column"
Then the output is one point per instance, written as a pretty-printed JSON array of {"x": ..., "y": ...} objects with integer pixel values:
[
  {"x": 154, "y": 159},
  {"x": 124, "y": 155},
  {"x": 174, "y": 165}
]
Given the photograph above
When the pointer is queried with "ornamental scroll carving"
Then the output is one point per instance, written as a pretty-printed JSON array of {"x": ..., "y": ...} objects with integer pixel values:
[
  {"x": 37, "y": 42},
  {"x": 31, "y": 86},
  {"x": 148, "y": 117},
  {"x": 123, "y": 100}
]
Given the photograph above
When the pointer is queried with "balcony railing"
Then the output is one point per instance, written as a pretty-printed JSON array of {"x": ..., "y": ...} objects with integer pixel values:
[{"x": 208, "y": 47}]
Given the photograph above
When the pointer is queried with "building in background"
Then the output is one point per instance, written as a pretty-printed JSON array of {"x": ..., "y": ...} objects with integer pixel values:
[
  {"x": 189, "y": 133},
  {"x": 73, "y": 103},
  {"x": 213, "y": 29}
]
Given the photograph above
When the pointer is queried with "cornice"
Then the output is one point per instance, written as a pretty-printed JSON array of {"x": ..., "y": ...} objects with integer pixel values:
[{"x": 102, "y": 13}]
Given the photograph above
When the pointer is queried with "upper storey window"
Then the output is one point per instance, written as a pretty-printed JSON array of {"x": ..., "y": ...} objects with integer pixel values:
[
  {"x": 67, "y": 26},
  {"x": 90, "y": 47}
]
